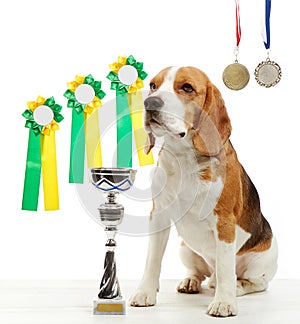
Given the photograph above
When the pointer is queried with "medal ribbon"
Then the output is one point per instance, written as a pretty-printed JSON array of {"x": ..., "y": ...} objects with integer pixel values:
[
  {"x": 266, "y": 25},
  {"x": 237, "y": 23}
]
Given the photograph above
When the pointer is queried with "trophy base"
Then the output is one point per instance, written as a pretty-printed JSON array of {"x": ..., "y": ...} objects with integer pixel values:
[{"x": 109, "y": 307}]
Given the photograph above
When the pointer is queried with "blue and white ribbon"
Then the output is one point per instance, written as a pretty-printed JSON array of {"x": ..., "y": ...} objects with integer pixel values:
[{"x": 266, "y": 24}]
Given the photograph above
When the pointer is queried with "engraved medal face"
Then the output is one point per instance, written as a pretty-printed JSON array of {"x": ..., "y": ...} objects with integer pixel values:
[
  {"x": 267, "y": 74},
  {"x": 236, "y": 76}
]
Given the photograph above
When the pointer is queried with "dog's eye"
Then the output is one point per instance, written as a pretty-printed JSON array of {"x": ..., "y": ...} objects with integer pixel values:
[
  {"x": 153, "y": 86},
  {"x": 187, "y": 88}
]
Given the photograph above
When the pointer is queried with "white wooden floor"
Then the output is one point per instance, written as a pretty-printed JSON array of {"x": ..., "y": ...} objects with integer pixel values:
[{"x": 64, "y": 302}]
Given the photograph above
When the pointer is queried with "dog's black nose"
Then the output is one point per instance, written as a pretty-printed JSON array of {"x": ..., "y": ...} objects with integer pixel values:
[{"x": 153, "y": 103}]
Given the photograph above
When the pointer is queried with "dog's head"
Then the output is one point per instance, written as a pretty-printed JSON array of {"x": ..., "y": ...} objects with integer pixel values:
[{"x": 182, "y": 101}]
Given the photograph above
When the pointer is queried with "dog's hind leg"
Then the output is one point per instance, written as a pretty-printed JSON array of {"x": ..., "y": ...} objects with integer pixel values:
[
  {"x": 254, "y": 271},
  {"x": 197, "y": 270}
]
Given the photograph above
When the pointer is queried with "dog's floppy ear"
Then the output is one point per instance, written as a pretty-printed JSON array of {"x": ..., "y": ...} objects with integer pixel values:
[
  {"x": 150, "y": 142},
  {"x": 214, "y": 127}
]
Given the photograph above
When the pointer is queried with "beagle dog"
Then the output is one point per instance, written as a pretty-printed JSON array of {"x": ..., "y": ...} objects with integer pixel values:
[{"x": 200, "y": 186}]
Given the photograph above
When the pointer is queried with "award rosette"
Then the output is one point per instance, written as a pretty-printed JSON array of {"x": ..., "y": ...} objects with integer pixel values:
[
  {"x": 84, "y": 96},
  {"x": 42, "y": 118},
  {"x": 126, "y": 78}
]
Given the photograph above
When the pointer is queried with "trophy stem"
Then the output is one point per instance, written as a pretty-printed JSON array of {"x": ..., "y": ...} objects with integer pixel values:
[
  {"x": 109, "y": 287},
  {"x": 111, "y": 214},
  {"x": 111, "y": 197}
]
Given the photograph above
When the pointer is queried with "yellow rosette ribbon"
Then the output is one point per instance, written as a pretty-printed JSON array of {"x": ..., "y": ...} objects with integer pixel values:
[
  {"x": 84, "y": 96},
  {"x": 42, "y": 118},
  {"x": 126, "y": 78}
]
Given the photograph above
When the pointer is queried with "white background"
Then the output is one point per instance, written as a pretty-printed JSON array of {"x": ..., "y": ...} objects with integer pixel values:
[{"x": 44, "y": 44}]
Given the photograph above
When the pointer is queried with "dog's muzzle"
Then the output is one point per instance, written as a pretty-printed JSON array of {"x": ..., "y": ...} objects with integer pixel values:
[
  {"x": 157, "y": 118},
  {"x": 153, "y": 103}
]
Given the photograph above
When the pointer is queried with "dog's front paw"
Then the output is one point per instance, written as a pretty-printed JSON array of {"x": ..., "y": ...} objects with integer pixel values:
[
  {"x": 222, "y": 309},
  {"x": 143, "y": 298}
]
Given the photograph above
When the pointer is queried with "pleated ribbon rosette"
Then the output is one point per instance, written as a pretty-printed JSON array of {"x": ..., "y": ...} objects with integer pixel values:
[
  {"x": 84, "y": 96},
  {"x": 126, "y": 78},
  {"x": 42, "y": 118}
]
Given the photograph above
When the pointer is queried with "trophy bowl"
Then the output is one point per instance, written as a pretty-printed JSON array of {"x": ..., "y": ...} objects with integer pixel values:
[{"x": 111, "y": 181}]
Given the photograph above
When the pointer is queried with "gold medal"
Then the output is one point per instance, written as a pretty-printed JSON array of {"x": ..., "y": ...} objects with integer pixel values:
[
  {"x": 268, "y": 73},
  {"x": 236, "y": 76}
]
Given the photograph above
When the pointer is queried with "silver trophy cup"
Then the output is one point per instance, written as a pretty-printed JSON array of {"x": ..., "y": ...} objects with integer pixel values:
[{"x": 111, "y": 181}]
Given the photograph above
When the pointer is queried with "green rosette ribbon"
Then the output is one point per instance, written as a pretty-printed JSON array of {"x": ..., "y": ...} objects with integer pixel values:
[
  {"x": 41, "y": 153},
  {"x": 126, "y": 78},
  {"x": 83, "y": 108}
]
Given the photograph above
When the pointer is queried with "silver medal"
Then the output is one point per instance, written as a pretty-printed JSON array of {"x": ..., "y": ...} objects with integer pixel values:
[{"x": 267, "y": 73}]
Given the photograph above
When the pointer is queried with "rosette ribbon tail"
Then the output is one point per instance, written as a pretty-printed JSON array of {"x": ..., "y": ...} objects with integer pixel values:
[
  {"x": 124, "y": 131},
  {"x": 92, "y": 140},
  {"x": 49, "y": 171},
  {"x": 77, "y": 147},
  {"x": 32, "y": 173},
  {"x": 136, "y": 104}
]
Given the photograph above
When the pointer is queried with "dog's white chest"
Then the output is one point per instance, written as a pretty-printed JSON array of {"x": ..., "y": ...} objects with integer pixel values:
[
  {"x": 199, "y": 197},
  {"x": 197, "y": 222},
  {"x": 194, "y": 200}
]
